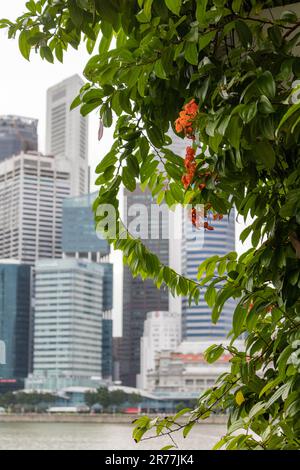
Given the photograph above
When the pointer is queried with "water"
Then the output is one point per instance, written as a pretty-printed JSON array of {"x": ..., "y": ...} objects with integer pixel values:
[{"x": 97, "y": 436}]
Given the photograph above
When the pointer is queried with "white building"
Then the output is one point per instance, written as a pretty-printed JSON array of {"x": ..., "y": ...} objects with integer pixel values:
[
  {"x": 67, "y": 131},
  {"x": 32, "y": 189},
  {"x": 184, "y": 369},
  {"x": 67, "y": 337},
  {"x": 162, "y": 331}
]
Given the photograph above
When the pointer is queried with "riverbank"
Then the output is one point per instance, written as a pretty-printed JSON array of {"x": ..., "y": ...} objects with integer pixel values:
[{"x": 87, "y": 418}]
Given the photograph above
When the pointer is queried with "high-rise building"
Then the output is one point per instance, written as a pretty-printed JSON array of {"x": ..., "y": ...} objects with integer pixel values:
[
  {"x": 81, "y": 241},
  {"x": 141, "y": 297},
  {"x": 68, "y": 319},
  {"x": 32, "y": 189},
  {"x": 162, "y": 331},
  {"x": 17, "y": 134},
  {"x": 79, "y": 237},
  {"x": 196, "y": 319},
  {"x": 15, "y": 319},
  {"x": 67, "y": 132}
]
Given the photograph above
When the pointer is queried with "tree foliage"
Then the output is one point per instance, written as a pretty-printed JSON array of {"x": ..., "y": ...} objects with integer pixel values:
[
  {"x": 239, "y": 61},
  {"x": 114, "y": 398},
  {"x": 24, "y": 399}
]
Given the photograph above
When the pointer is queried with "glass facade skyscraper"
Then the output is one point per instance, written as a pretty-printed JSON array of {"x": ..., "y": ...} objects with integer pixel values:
[
  {"x": 196, "y": 319},
  {"x": 140, "y": 297},
  {"x": 14, "y": 319},
  {"x": 80, "y": 241},
  {"x": 68, "y": 319},
  {"x": 17, "y": 134}
]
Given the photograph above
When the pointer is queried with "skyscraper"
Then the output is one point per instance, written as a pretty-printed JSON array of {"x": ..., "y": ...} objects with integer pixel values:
[
  {"x": 14, "y": 319},
  {"x": 68, "y": 319},
  {"x": 196, "y": 319},
  {"x": 17, "y": 134},
  {"x": 32, "y": 189},
  {"x": 81, "y": 241},
  {"x": 141, "y": 297},
  {"x": 67, "y": 132}
]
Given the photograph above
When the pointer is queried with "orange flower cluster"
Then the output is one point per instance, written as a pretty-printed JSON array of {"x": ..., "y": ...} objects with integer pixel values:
[
  {"x": 190, "y": 166},
  {"x": 207, "y": 226},
  {"x": 196, "y": 221},
  {"x": 218, "y": 216},
  {"x": 194, "y": 218},
  {"x": 186, "y": 117}
]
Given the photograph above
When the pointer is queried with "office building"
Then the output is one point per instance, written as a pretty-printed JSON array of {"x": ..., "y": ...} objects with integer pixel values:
[
  {"x": 68, "y": 320},
  {"x": 196, "y": 319},
  {"x": 15, "y": 320},
  {"x": 67, "y": 132},
  {"x": 162, "y": 331},
  {"x": 32, "y": 189},
  {"x": 17, "y": 134},
  {"x": 81, "y": 241},
  {"x": 140, "y": 297}
]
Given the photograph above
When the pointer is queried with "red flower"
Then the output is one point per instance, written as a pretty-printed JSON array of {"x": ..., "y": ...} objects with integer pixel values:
[{"x": 184, "y": 122}]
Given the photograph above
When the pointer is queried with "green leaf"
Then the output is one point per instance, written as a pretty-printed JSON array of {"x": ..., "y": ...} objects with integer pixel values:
[
  {"x": 248, "y": 112},
  {"x": 236, "y": 5},
  {"x": 188, "y": 428},
  {"x": 244, "y": 33},
  {"x": 181, "y": 413},
  {"x": 109, "y": 159},
  {"x": 159, "y": 70},
  {"x": 155, "y": 136},
  {"x": 76, "y": 13},
  {"x": 210, "y": 296},
  {"x": 213, "y": 353},
  {"x": 191, "y": 53},
  {"x": 265, "y": 153},
  {"x": 174, "y": 6},
  {"x": 238, "y": 320},
  {"x": 265, "y": 106},
  {"x": 289, "y": 16},
  {"x": 47, "y": 54},
  {"x": 23, "y": 44},
  {"x": 128, "y": 179},
  {"x": 76, "y": 102},
  {"x": 201, "y": 12},
  {"x": 234, "y": 131},
  {"x": 277, "y": 394},
  {"x": 59, "y": 52},
  {"x": 274, "y": 33},
  {"x": 206, "y": 39},
  {"x": 294, "y": 108},
  {"x": 147, "y": 9},
  {"x": 266, "y": 84}
]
